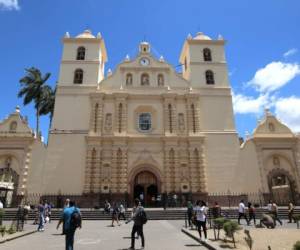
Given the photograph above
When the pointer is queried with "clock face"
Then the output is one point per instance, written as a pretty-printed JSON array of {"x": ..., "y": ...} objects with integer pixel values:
[{"x": 144, "y": 61}]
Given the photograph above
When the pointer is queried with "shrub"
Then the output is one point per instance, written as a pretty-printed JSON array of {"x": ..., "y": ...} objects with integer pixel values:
[
  {"x": 230, "y": 227},
  {"x": 297, "y": 246},
  {"x": 2, "y": 230},
  {"x": 218, "y": 224},
  {"x": 2, "y": 212},
  {"x": 12, "y": 229},
  {"x": 297, "y": 219}
]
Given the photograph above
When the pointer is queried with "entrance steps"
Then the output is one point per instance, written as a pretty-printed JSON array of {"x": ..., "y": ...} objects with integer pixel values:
[{"x": 152, "y": 213}]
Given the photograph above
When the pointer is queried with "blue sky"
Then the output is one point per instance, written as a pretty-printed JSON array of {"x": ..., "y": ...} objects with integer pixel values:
[{"x": 262, "y": 51}]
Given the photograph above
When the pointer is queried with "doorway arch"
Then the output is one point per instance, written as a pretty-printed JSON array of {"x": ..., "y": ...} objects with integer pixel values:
[
  {"x": 282, "y": 186},
  {"x": 145, "y": 183}
]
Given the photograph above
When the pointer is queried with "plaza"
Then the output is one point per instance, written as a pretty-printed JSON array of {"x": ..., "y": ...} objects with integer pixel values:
[{"x": 95, "y": 235}]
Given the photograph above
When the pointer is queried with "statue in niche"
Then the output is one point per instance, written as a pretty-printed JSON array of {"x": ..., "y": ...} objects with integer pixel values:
[
  {"x": 108, "y": 122},
  {"x": 160, "y": 80},
  {"x": 181, "y": 125},
  {"x": 271, "y": 127},
  {"x": 129, "y": 79},
  {"x": 145, "y": 79},
  {"x": 279, "y": 180}
]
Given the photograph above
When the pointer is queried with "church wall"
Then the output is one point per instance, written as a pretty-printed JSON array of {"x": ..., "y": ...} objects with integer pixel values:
[
  {"x": 65, "y": 164},
  {"x": 247, "y": 175},
  {"x": 216, "y": 112},
  {"x": 221, "y": 156},
  {"x": 72, "y": 112},
  {"x": 92, "y": 53},
  {"x": 90, "y": 73},
  {"x": 217, "y": 52},
  {"x": 36, "y": 169}
]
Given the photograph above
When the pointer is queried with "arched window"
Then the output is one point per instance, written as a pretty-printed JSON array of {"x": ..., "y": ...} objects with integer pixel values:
[
  {"x": 209, "y": 75},
  {"x": 120, "y": 117},
  {"x": 207, "y": 55},
  {"x": 80, "y": 53},
  {"x": 170, "y": 118},
  {"x": 193, "y": 117},
  {"x": 13, "y": 127},
  {"x": 145, "y": 81},
  {"x": 185, "y": 64},
  {"x": 78, "y": 76},
  {"x": 129, "y": 79},
  {"x": 160, "y": 80}
]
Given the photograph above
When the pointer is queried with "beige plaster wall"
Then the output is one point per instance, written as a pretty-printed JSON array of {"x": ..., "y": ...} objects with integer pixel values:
[
  {"x": 65, "y": 162},
  {"x": 36, "y": 167},
  {"x": 221, "y": 156}
]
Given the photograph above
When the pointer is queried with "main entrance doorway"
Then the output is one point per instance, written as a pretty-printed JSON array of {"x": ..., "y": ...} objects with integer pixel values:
[{"x": 146, "y": 187}]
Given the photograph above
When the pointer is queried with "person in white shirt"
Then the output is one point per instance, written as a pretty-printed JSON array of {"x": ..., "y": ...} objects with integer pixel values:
[
  {"x": 200, "y": 212},
  {"x": 1, "y": 204},
  {"x": 242, "y": 212}
]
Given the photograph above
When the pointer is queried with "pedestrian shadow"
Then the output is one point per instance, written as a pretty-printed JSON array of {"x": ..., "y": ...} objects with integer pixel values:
[
  {"x": 192, "y": 245},
  {"x": 58, "y": 234},
  {"x": 129, "y": 237}
]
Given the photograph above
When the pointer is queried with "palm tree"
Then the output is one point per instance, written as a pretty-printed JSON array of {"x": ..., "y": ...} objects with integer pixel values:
[
  {"x": 47, "y": 101},
  {"x": 32, "y": 90}
]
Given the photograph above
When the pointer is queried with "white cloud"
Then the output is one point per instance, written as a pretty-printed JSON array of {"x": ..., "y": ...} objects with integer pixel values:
[
  {"x": 247, "y": 104},
  {"x": 290, "y": 52},
  {"x": 274, "y": 75},
  {"x": 288, "y": 111},
  {"x": 9, "y": 5}
]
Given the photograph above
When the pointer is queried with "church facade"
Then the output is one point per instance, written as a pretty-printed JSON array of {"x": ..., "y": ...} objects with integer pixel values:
[{"x": 146, "y": 129}]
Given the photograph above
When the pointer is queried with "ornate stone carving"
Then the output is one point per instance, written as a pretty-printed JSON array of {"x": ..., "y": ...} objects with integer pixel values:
[{"x": 108, "y": 122}]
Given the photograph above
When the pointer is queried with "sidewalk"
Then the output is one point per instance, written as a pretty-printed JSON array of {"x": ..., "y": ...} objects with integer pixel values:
[{"x": 28, "y": 229}]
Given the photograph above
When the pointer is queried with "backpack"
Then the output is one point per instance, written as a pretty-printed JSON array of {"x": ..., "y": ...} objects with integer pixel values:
[
  {"x": 75, "y": 220},
  {"x": 142, "y": 217}
]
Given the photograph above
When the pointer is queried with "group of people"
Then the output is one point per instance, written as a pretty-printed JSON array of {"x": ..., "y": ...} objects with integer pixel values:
[{"x": 198, "y": 215}]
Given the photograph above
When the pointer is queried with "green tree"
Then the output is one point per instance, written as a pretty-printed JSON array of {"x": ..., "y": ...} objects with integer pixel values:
[
  {"x": 47, "y": 101},
  {"x": 32, "y": 89}
]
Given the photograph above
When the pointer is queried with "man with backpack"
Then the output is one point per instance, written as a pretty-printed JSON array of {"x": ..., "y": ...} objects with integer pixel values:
[
  {"x": 71, "y": 221},
  {"x": 140, "y": 218}
]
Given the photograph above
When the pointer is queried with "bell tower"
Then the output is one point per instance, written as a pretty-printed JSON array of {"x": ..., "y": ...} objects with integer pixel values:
[
  {"x": 203, "y": 61},
  {"x": 83, "y": 60}
]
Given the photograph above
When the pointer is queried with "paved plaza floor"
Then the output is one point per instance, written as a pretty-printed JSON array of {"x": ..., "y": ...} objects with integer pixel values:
[{"x": 159, "y": 235}]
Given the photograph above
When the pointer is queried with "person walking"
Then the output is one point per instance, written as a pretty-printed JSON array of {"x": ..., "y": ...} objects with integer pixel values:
[
  {"x": 200, "y": 213},
  {"x": 251, "y": 212},
  {"x": 290, "y": 211},
  {"x": 71, "y": 221},
  {"x": 139, "y": 217},
  {"x": 242, "y": 212},
  {"x": 41, "y": 217},
  {"x": 275, "y": 213},
  {"x": 115, "y": 213},
  {"x": 121, "y": 212},
  {"x": 190, "y": 213}
]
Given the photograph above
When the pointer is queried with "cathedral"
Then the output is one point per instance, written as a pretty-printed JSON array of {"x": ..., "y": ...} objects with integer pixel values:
[{"x": 145, "y": 129}]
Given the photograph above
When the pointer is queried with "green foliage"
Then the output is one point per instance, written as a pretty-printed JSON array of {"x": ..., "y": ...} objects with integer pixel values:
[
  {"x": 296, "y": 217},
  {"x": 2, "y": 212},
  {"x": 219, "y": 222},
  {"x": 12, "y": 229},
  {"x": 2, "y": 230},
  {"x": 297, "y": 245},
  {"x": 230, "y": 227},
  {"x": 34, "y": 89}
]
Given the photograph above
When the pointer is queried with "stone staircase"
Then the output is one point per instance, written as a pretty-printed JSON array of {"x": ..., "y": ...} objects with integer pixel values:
[{"x": 152, "y": 213}]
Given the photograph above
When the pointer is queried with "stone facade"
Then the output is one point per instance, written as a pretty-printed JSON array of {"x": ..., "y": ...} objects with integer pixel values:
[{"x": 146, "y": 129}]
